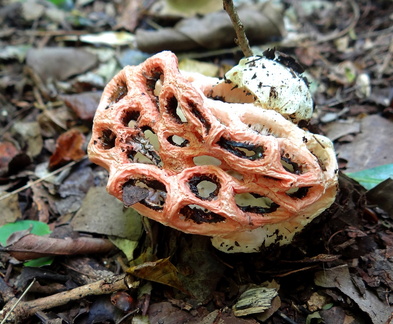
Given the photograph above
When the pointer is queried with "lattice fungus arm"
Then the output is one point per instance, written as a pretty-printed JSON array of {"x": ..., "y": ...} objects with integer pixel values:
[{"x": 189, "y": 152}]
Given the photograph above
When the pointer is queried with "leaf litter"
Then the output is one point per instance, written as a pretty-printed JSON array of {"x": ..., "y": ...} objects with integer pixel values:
[{"x": 50, "y": 84}]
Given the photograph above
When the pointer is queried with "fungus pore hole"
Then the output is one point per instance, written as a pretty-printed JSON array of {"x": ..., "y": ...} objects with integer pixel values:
[
  {"x": 243, "y": 150},
  {"x": 254, "y": 203},
  {"x": 151, "y": 137},
  {"x": 151, "y": 193},
  {"x": 297, "y": 192},
  {"x": 178, "y": 141},
  {"x": 119, "y": 93},
  {"x": 197, "y": 113},
  {"x": 290, "y": 166},
  {"x": 154, "y": 80},
  {"x": 205, "y": 187},
  {"x": 108, "y": 139},
  {"x": 130, "y": 118},
  {"x": 174, "y": 109},
  {"x": 200, "y": 215}
]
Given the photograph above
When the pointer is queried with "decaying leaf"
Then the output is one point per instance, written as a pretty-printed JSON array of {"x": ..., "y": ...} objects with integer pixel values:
[
  {"x": 340, "y": 278},
  {"x": 214, "y": 30},
  {"x": 161, "y": 271},
  {"x": 59, "y": 63},
  {"x": 99, "y": 208},
  {"x": 31, "y": 246},
  {"x": 10, "y": 210},
  {"x": 254, "y": 300},
  {"x": 368, "y": 149},
  {"x": 7, "y": 153},
  {"x": 83, "y": 104},
  {"x": 381, "y": 195},
  {"x": 29, "y": 134},
  {"x": 68, "y": 148}
]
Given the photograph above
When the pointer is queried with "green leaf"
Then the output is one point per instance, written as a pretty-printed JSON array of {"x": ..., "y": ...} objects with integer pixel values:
[
  {"x": 369, "y": 178},
  {"x": 40, "y": 262},
  {"x": 37, "y": 228}
]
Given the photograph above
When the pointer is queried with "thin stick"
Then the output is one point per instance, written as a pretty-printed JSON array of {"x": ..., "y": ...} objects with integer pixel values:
[
  {"x": 30, "y": 184},
  {"x": 26, "y": 309},
  {"x": 17, "y": 302},
  {"x": 241, "y": 38}
]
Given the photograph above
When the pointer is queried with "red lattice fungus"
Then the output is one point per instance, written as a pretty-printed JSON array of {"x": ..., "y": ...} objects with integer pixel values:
[{"x": 179, "y": 154}]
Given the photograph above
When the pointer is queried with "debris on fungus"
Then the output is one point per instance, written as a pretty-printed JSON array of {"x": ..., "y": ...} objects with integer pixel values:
[{"x": 182, "y": 150}]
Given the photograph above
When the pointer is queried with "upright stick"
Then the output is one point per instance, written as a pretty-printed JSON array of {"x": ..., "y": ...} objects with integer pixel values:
[{"x": 241, "y": 38}]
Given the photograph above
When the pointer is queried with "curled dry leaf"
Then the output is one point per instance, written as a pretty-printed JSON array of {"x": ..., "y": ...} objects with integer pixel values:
[
  {"x": 68, "y": 148},
  {"x": 162, "y": 271},
  {"x": 32, "y": 246},
  {"x": 214, "y": 30}
]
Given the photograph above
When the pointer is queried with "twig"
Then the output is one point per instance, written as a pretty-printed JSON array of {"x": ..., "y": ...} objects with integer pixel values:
[
  {"x": 17, "y": 302},
  {"x": 41, "y": 179},
  {"x": 26, "y": 309},
  {"x": 241, "y": 38}
]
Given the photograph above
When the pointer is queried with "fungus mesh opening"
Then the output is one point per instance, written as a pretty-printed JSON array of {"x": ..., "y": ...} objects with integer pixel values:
[
  {"x": 130, "y": 118},
  {"x": 151, "y": 193},
  {"x": 200, "y": 215},
  {"x": 291, "y": 166},
  {"x": 205, "y": 186},
  {"x": 107, "y": 139},
  {"x": 178, "y": 141},
  {"x": 298, "y": 192},
  {"x": 243, "y": 150},
  {"x": 119, "y": 93},
  {"x": 254, "y": 203}
]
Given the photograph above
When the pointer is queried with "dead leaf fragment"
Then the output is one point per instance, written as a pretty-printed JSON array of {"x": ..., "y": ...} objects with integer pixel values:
[
  {"x": 32, "y": 246},
  {"x": 214, "y": 30},
  {"x": 368, "y": 149},
  {"x": 29, "y": 135},
  {"x": 83, "y": 104},
  {"x": 7, "y": 152},
  {"x": 102, "y": 213},
  {"x": 59, "y": 63},
  {"x": 316, "y": 302},
  {"x": 161, "y": 271},
  {"x": 254, "y": 300},
  {"x": 340, "y": 278},
  {"x": 10, "y": 210},
  {"x": 68, "y": 148}
]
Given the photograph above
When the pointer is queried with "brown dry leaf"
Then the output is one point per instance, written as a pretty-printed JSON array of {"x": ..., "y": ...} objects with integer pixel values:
[
  {"x": 161, "y": 271},
  {"x": 40, "y": 198},
  {"x": 29, "y": 135},
  {"x": 7, "y": 153},
  {"x": 68, "y": 148},
  {"x": 10, "y": 209},
  {"x": 59, "y": 63},
  {"x": 370, "y": 148},
  {"x": 340, "y": 278},
  {"x": 381, "y": 195},
  {"x": 130, "y": 15},
  {"x": 99, "y": 208},
  {"x": 32, "y": 246},
  {"x": 83, "y": 104},
  {"x": 214, "y": 30}
]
